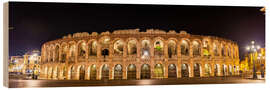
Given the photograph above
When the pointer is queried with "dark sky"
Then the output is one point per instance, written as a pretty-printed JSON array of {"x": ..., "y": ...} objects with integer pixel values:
[{"x": 36, "y": 23}]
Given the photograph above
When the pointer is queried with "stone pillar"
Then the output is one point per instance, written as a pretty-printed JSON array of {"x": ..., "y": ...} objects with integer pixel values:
[
  {"x": 191, "y": 74},
  {"x": 125, "y": 49},
  {"x": 152, "y": 70},
  {"x": 111, "y": 72},
  {"x": 138, "y": 71},
  {"x": 165, "y": 70},
  {"x": 98, "y": 52},
  {"x": 110, "y": 51},
  {"x": 124, "y": 72},
  {"x": 138, "y": 49},
  {"x": 203, "y": 69},
  {"x": 212, "y": 73},
  {"x": 87, "y": 53},
  {"x": 166, "y": 49},
  {"x": 179, "y": 74},
  {"x": 76, "y": 53},
  {"x": 98, "y": 76}
]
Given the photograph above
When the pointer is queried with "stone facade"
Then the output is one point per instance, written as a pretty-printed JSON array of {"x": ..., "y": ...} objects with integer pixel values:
[{"x": 131, "y": 54}]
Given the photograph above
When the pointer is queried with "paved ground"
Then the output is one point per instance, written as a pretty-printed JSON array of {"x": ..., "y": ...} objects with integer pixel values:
[{"x": 15, "y": 83}]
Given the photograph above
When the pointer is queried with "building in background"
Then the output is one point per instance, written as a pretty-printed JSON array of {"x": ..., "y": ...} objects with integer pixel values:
[
  {"x": 15, "y": 64},
  {"x": 25, "y": 64}
]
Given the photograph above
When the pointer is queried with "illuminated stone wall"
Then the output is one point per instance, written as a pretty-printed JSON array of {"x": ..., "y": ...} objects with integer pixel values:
[{"x": 131, "y": 54}]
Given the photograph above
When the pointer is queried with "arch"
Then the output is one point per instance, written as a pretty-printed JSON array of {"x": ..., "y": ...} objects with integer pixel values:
[
  {"x": 206, "y": 48},
  {"x": 207, "y": 71},
  {"x": 184, "y": 48},
  {"x": 132, "y": 47},
  {"x": 172, "y": 72},
  {"x": 197, "y": 70},
  {"x": 51, "y": 53},
  {"x": 50, "y": 73},
  {"x": 81, "y": 72},
  {"x": 145, "y": 71},
  {"x": 57, "y": 51},
  {"x": 105, "y": 42},
  {"x": 72, "y": 73},
  {"x": 64, "y": 72},
  {"x": 64, "y": 52},
  {"x": 55, "y": 72},
  {"x": 224, "y": 70},
  {"x": 184, "y": 70},
  {"x": 145, "y": 49},
  {"x": 230, "y": 70},
  {"x": 118, "y": 47},
  {"x": 82, "y": 49},
  {"x": 216, "y": 70},
  {"x": 105, "y": 72},
  {"x": 215, "y": 49},
  {"x": 118, "y": 72},
  {"x": 228, "y": 51},
  {"x": 105, "y": 52},
  {"x": 158, "y": 45},
  {"x": 222, "y": 50},
  {"x": 72, "y": 51},
  {"x": 131, "y": 71},
  {"x": 158, "y": 71},
  {"x": 172, "y": 48},
  {"x": 92, "y": 48},
  {"x": 93, "y": 72},
  {"x": 196, "y": 48}
]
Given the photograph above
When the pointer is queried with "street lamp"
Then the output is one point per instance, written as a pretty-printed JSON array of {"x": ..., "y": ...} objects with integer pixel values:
[{"x": 252, "y": 48}]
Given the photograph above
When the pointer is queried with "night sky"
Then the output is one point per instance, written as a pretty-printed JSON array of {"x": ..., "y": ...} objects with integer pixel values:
[{"x": 32, "y": 24}]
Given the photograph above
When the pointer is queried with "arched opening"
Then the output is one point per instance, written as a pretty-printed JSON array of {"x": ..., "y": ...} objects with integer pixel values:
[
  {"x": 196, "y": 48},
  {"x": 222, "y": 50},
  {"x": 82, "y": 50},
  {"x": 82, "y": 73},
  {"x": 118, "y": 74},
  {"x": 64, "y": 72},
  {"x": 230, "y": 70},
  {"x": 105, "y": 52},
  {"x": 118, "y": 47},
  {"x": 158, "y": 45},
  {"x": 158, "y": 71},
  {"x": 197, "y": 70},
  {"x": 64, "y": 53},
  {"x": 57, "y": 53},
  {"x": 145, "y": 49},
  {"x": 207, "y": 70},
  {"x": 56, "y": 73},
  {"x": 132, "y": 47},
  {"x": 72, "y": 73},
  {"x": 105, "y": 44},
  {"x": 92, "y": 47},
  {"x": 206, "y": 48},
  {"x": 105, "y": 72},
  {"x": 50, "y": 73},
  {"x": 51, "y": 54},
  {"x": 93, "y": 72},
  {"x": 216, "y": 70},
  {"x": 228, "y": 51},
  {"x": 215, "y": 49},
  {"x": 184, "y": 48},
  {"x": 131, "y": 72},
  {"x": 224, "y": 70},
  {"x": 172, "y": 71},
  {"x": 145, "y": 71},
  {"x": 172, "y": 49},
  {"x": 72, "y": 53},
  {"x": 185, "y": 70}
]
